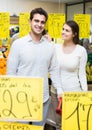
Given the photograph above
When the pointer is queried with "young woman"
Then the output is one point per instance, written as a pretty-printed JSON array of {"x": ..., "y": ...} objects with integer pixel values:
[{"x": 72, "y": 59}]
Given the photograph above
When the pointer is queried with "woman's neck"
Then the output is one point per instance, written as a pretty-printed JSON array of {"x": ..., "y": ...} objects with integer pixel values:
[
  {"x": 68, "y": 43},
  {"x": 68, "y": 47}
]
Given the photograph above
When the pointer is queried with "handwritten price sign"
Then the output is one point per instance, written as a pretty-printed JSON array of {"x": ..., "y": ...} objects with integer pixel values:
[
  {"x": 55, "y": 24},
  {"x": 24, "y": 24},
  {"x": 77, "y": 111},
  {"x": 18, "y": 126},
  {"x": 4, "y": 24},
  {"x": 83, "y": 21},
  {"x": 21, "y": 98}
]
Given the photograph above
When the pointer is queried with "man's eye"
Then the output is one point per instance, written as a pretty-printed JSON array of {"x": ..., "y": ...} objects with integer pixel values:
[
  {"x": 42, "y": 22},
  {"x": 37, "y": 21}
]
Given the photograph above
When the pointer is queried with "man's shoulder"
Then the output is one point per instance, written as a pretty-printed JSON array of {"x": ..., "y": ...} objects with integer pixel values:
[
  {"x": 21, "y": 39},
  {"x": 49, "y": 43}
]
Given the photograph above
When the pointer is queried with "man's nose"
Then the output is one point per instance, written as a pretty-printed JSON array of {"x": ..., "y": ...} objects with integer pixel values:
[{"x": 39, "y": 23}]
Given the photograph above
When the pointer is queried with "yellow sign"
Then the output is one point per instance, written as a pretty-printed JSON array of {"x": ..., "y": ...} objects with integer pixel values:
[
  {"x": 83, "y": 21},
  {"x": 4, "y": 24},
  {"x": 24, "y": 27},
  {"x": 55, "y": 23},
  {"x": 21, "y": 98},
  {"x": 18, "y": 126},
  {"x": 77, "y": 111}
]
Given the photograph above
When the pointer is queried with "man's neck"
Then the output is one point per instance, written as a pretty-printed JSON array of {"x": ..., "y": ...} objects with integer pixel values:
[{"x": 35, "y": 37}]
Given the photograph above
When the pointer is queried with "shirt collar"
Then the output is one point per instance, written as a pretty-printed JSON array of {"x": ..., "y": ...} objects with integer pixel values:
[{"x": 29, "y": 38}]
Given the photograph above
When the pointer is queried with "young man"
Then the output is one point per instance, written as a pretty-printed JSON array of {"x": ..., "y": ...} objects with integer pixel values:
[{"x": 33, "y": 55}]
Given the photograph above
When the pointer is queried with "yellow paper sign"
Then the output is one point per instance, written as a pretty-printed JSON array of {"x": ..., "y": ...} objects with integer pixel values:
[
  {"x": 24, "y": 27},
  {"x": 18, "y": 126},
  {"x": 83, "y": 21},
  {"x": 55, "y": 23},
  {"x": 21, "y": 98},
  {"x": 4, "y": 24},
  {"x": 77, "y": 111}
]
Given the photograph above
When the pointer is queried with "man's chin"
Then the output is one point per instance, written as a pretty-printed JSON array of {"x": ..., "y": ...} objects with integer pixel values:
[{"x": 38, "y": 33}]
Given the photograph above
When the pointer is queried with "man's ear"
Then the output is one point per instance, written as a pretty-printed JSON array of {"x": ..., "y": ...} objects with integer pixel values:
[{"x": 29, "y": 21}]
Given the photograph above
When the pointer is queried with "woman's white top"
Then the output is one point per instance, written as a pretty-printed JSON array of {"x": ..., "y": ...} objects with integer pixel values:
[{"x": 72, "y": 69}]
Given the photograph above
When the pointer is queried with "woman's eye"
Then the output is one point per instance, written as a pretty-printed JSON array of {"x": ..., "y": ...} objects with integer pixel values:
[{"x": 62, "y": 28}]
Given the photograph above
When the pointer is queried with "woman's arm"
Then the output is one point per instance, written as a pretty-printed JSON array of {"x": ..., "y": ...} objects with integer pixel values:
[{"x": 82, "y": 70}]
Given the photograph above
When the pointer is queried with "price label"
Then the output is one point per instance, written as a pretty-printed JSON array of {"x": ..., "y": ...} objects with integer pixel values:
[
  {"x": 77, "y": 111},
  {"x": 21, "y": 98}
]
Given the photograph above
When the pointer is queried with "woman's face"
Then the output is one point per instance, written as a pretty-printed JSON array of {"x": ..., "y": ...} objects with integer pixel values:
[{"x": 67, "y": 34}]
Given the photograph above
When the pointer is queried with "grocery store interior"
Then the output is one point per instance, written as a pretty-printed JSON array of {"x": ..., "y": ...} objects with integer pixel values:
[{"x": 68, "y": 8}]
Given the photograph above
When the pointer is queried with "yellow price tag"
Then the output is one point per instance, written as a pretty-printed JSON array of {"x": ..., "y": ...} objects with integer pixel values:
[
  {"x": 18, "y": 126},
  {"x": 77, "y": 111},
  {"x": 21, "y": 98}
]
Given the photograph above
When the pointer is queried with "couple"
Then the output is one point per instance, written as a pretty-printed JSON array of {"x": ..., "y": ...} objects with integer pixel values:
[{"x": 33, "y": 55}]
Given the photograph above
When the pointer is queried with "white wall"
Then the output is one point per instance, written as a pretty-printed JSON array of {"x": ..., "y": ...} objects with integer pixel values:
[
  {"x": 17, "y": 6},
  {"x": 74, "y": 9},
  {"x": 78, "y": 9}
]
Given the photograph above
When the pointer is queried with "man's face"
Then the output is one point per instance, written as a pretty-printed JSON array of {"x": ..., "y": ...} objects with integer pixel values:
[{"x": 38, "y": 24}]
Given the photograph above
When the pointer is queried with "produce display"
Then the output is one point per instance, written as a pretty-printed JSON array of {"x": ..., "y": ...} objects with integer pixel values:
[
  {"x": 89, "y": 68},
  {"x": 5, "y": 44},
  {"x": 3, "y": 58}
]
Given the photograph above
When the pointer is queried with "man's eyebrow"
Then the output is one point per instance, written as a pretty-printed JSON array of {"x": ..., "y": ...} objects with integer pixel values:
[{"x": 39, "y": 21}]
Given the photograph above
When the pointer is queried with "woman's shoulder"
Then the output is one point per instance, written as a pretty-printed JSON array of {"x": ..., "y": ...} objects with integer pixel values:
[
  {"x": 58, "y": 46},
  {"x": 58, "y": 49},
  {"x": 81, "y": 49}
]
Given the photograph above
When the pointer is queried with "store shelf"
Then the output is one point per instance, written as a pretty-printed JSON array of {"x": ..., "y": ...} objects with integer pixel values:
[{"x": 14, "y": 20}]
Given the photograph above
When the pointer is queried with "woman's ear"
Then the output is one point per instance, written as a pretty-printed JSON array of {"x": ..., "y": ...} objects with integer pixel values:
[{"x": 75, "y": 34}]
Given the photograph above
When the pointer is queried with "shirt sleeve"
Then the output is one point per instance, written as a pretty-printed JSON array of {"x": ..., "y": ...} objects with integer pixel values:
[
  {"x": 13, "y": 58},
  {"x": 82, "y": 70},
  {"x": 54, "y": 73}
]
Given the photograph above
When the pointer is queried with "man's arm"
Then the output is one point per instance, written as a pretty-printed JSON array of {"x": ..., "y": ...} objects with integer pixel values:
[{"x": 12, "y": 61}]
